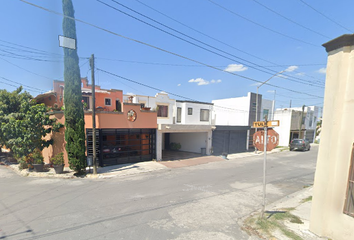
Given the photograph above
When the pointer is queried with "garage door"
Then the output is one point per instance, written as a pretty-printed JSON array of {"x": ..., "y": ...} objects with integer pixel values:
[{"x": 229, "y": 141}]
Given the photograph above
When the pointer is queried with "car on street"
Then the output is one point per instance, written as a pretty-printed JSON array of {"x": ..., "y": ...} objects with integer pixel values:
[{"x": 300, "y": 144}]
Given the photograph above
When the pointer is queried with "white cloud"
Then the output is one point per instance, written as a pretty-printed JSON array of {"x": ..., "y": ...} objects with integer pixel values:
[
  {"x": 300, "y": 74},
  {"x": 201, "y": 81},
  {"x": 291, "y": 68},
  {"x": 235, "y": 68},
  {"x": 178, "y": 85},
  {"x": 322, "y": 70}
]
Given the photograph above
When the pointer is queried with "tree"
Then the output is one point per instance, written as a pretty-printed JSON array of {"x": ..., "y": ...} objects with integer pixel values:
[
  {"x": 24, "y": 124},
  {"x": 74, "y": 114}
]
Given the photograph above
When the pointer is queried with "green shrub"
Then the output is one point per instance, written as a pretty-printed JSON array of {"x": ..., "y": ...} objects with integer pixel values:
[
  {"x": 22, "y": 163},
  {"x": 37, "y": 156},
  {"x": 58, "y": 159}
]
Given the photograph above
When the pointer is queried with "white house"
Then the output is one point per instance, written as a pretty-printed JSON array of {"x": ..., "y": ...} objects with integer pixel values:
[
  {"x": 234, "y": 118},
  {"x": 295, "y": 120},
  {"x": 187, "y": 123}
]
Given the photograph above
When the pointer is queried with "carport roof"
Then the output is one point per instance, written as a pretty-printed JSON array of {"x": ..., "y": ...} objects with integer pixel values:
[{"x": 232, "y": 128}]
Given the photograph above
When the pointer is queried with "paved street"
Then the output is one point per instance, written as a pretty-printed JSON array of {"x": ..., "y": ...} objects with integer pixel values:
[{"x": 198, "y": 202}]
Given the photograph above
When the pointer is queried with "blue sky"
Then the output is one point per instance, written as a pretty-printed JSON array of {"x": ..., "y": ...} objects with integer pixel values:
[{"x": 247, "y": 42}]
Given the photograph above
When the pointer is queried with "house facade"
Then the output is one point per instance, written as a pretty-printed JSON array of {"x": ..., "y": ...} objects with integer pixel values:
[
  {"x": 187, "y": 124},
  {"x": 234, "y": 120},
  {"x": 332, "y": 211},
  {"x": 296, "y": 123},
  {"x": 125, "y": 133}
]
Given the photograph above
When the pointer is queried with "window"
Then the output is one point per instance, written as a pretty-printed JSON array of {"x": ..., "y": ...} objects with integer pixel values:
[
  {"x": 190, "y": 111},
  {"x": 254, "y": 106},
  {"x": 162, "y": 111},
  {"x": 118, "y": 105},
  {"x": 204, "y": 114},
  {"x": 107, "y": 102},
  {"x": 266, "y": 113},
  {"x": 86, "y": 100},
  {"x": 179, "y": 113},
  {"x": 142, "y": 105},
  {"x": 349, "y": 201}
]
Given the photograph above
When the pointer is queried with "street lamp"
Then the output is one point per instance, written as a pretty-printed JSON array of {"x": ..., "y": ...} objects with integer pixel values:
[{"x": 261, "y": 86}]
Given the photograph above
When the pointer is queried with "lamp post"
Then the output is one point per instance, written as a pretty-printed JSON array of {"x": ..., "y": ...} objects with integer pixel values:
[{"x": 261, "y": 86}]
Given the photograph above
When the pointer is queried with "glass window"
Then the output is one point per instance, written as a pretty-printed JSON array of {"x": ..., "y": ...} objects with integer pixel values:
[
  {"x": 162, "y": 111},
  {"x": 179, "y": 113},
  {"x": 190, "y": 111},
  {"x": 204, "y": 114},
  {"x": 349, "y": 201},
  {"x": 86, "y": 101},
  {"x": 107, "y": 102}
]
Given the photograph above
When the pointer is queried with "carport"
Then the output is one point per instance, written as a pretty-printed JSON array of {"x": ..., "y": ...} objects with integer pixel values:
[{"x": 194, "y": 140}]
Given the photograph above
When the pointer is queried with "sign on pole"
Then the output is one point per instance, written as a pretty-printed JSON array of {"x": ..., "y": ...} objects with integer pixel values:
[
  {"x": 67, "y": 42},
  {"x": 274, "y": 123},
  {"x": 272, "y": 142}
]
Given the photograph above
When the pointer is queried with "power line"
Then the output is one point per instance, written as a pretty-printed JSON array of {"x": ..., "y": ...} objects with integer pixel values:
[
  {"x": 219, "y": 41},
  {"x": 291, "y": 78},
  {"x": 33, "y": 89},
  {"x": 290, "y": 20},
  {"x": 163, "y": 50},
  {"x": 24, "y": 69},
  {"x": 190, "y": 65},
  {"x": 160, "y": 90},
  {"x": 330, "y": 19},
  {"x": 260, "y": 25}
]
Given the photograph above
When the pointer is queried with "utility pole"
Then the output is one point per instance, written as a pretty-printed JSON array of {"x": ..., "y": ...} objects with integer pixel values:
[
  {"x": 92, "y": 65},
  {"x": 265, "y": 139},
  {"x": 302, "y": 115}
]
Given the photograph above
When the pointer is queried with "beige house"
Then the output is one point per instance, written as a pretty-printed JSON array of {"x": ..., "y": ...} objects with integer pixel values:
[{"x": 332, "y": 212}]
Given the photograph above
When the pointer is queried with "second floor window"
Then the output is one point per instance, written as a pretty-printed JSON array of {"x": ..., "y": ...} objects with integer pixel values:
[
  {"x": 204, "y": 114},
  {"x": 107, "y": 102},
  {"x": 162, "y": 111},
  {"x": 179, "y": 114},
  {"x": 190, "y": 111}
]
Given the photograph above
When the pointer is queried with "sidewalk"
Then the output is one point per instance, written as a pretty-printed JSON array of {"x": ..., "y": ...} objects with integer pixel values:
[
  {"x": 287, "y": 218},
  {"x": 134, "y": 168}
]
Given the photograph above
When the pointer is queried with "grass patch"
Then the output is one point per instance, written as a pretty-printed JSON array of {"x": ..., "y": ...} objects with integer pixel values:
[
  {"x": 308, "y": 199},
  {"x": 271, "y": 222}
]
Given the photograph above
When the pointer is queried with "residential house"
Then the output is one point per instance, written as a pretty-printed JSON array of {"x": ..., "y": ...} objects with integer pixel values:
[
  {"x": 124, "y": 132},
  {"x": 185, "y": 123},
  {"x": 296, "y": 123},
  {"x": 332, "y": 211},
  {"x": 234, "y": 119}
]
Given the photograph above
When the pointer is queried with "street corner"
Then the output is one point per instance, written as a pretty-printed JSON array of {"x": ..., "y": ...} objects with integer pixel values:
[{"x": 287, "y": 218}]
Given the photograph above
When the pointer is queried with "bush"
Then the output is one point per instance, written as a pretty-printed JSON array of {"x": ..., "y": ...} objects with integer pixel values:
[
  {"x": 37, "y": 156},
  {"x": 58, "y": 159},
  {"x": 22, "y": 163}
]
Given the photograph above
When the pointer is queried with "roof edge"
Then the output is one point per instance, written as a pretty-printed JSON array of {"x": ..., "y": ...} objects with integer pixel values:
[{"x": 339, "y": 42}]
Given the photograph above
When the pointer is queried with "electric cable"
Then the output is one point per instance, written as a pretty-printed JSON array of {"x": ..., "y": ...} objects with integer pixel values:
[
  {"x": 219, "y": 41},
  {"x": 291, "y": 78},
  {"x": 163, "y": 50}
]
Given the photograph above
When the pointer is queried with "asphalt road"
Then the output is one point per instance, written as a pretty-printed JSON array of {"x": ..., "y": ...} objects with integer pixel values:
[{"x": 199, "y": 202}]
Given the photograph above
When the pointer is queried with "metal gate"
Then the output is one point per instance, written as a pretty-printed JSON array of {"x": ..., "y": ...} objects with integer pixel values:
[
  {"x": 118, "y": 146},
  {"x": 229, "y": 141}
]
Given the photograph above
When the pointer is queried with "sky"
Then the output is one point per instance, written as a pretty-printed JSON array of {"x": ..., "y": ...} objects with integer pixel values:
[{"x": 197, "y": 50}]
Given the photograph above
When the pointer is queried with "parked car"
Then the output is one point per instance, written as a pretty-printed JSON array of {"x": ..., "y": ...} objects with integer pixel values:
[{"x": 299, "y": 144}]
